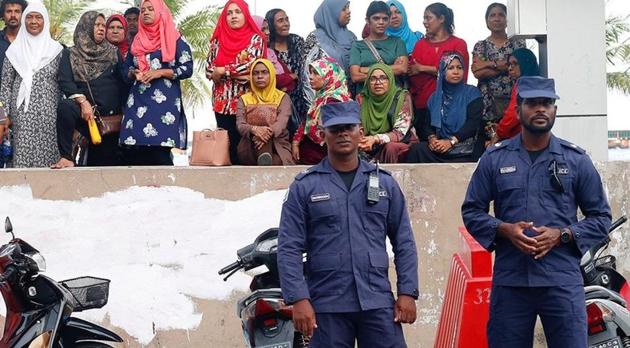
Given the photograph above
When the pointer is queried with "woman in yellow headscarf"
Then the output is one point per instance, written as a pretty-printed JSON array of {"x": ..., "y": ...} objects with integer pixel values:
[{"x": 261, "y": 118}]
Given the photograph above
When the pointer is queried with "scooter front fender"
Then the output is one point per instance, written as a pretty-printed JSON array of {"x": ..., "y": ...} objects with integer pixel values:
[{"x": 76, "y": 329}]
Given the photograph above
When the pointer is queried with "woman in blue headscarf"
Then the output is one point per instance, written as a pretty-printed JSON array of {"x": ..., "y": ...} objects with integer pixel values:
[
  {"x": 399, "y": 26},
  {"x": 455, "y": 109}
]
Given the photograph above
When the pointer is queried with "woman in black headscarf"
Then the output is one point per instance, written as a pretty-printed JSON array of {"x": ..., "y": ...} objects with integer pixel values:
[
  {"x": 288, "y": 47},
  {"x": 90, "y": 79}
]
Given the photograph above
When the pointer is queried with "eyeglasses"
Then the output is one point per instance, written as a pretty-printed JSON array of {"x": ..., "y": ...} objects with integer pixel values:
[
  {"x": 555, "y": 179},
  {"x": 379, "y": 79},
  {"x": 340, "y": 128}
]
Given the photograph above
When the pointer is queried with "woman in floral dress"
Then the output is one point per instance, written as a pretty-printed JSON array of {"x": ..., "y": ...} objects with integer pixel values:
[{"x": 154, "y": 121}]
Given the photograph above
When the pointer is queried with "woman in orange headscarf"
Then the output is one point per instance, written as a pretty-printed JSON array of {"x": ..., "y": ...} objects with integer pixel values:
[
  {"x": 234, "y": 46},
  {"x": 154, "y": 121}
]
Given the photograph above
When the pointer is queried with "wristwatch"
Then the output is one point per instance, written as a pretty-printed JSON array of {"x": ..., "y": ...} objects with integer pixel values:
[
  {"x": 565, "y": 235},
  {"x": 453, "y": 141}
]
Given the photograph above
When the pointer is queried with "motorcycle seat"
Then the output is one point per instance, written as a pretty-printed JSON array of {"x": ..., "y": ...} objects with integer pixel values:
[{"x": 599, "y": 292}]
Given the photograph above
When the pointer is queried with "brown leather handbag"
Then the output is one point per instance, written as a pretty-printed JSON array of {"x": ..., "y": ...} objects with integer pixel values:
[
  {"x": 262, "y": 115},
  {"x": 210, "y": 148},
  {"x": 106, "y": 124}
]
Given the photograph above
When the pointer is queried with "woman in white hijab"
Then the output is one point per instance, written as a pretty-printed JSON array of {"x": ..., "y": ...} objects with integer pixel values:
[{"x": 30, "y": 92}]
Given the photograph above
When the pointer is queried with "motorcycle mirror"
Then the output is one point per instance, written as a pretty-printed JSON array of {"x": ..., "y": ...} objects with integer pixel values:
[{"x": 8, "y": 227}]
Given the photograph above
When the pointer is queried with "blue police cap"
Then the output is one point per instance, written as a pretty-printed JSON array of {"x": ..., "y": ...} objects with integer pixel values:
[
  {"x": 340, "y": 113},
  {"x": 536, "y": 87}
]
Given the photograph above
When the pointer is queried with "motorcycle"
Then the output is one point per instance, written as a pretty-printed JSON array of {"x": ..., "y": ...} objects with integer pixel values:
[
  {"x": 266, "y": 320},
  {"x": 607, "y": 296},
  {"x": 39, "y": 308}
]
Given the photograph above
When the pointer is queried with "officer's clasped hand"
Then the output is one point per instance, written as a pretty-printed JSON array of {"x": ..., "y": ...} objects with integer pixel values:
[
  {"x": 547, "y": 238},
  {"x": 304, "y": 317},
  {"x": 537, "y": 246},
  {"x": 515, "y": 233},
  {"x": 405, "y": 310}
]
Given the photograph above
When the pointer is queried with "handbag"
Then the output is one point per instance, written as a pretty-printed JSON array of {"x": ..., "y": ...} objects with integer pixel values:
[
  {"x": 210, "y": 148},
  {"x": 464, "y": 148},
  {"x": 262, "y": 115},
  {"x": 106, "y": 124}
]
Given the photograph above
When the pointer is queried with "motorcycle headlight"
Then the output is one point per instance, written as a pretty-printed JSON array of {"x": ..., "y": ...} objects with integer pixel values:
[
  {"x": 39, "y": 260},
  {"x": 267, "y": 246}
]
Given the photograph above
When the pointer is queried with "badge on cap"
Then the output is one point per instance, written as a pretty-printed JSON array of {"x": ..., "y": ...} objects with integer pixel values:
[{"x": 507, "y": 170}]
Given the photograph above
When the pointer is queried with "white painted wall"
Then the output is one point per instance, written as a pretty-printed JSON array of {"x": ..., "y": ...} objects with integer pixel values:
[{"x": 573, "y": 53}]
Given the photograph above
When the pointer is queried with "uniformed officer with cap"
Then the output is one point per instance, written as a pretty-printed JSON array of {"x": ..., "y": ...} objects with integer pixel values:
[
  {"x": 536, "y": 181},
  {"x": 339, "y": 213}
]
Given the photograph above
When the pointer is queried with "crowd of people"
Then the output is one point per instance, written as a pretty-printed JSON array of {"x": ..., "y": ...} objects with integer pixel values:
[{"x": 416, "y": 105}]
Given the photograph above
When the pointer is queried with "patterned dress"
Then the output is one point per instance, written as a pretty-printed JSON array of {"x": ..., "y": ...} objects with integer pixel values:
[
  {"x": 225, "y": 94},
  {"x": 34, "y": 131},
  {"x": 295, "y": 61},
  {"x": 154, "y": 113},
  {"x": 499, "y": 86}
]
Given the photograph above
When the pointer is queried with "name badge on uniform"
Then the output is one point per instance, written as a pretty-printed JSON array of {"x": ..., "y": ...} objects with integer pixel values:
[
  {"x": 320, "y": 197},
  {"x": 382, "y": 193},
  {"x": 507, "y": 170}
]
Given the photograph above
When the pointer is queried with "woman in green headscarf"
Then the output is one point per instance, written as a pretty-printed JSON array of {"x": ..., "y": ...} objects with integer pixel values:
[{"x": 386, "y": 114}]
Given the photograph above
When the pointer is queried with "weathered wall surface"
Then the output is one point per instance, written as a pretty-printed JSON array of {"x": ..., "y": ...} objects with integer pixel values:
[{"x": 434, "y": 195}]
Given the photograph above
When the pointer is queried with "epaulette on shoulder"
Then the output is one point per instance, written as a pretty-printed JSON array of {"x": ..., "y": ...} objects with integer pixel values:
[
  {"x": 572, "y": 146},
  {"x": 497, "y": 146},
  {"x": 301, "y": 175}
]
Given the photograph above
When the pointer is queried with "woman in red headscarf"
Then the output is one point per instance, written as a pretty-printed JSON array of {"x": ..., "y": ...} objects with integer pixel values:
[
  {"x": 234, "y": 46},
  {"x": 116, "y": 33},
  {"x": 154, "y": 121}
]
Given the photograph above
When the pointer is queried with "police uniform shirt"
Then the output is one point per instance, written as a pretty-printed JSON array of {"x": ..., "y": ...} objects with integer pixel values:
[
  {"x": 523, "y": 191},
  {"x": 344, "y": 238}
]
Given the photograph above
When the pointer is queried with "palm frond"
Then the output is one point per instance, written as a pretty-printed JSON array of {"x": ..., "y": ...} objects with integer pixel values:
[
  {"x": 617, "y": 42},
  {"x": 64, "y": 13},
  {"x": 619, "y": 81}
]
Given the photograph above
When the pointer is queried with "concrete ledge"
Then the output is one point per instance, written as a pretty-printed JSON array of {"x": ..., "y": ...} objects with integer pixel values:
[{"x": 434, "y": 194}]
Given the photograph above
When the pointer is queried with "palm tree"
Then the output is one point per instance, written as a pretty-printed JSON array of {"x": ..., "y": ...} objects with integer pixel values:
[
  {"x": 618, "y": 52},
  {"x": 63, "y": 14}
]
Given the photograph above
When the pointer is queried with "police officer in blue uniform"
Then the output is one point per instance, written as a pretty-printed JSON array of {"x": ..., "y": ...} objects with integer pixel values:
[
  {"x": 339, "y": 213},
  {"x": 536, "y": 181}
]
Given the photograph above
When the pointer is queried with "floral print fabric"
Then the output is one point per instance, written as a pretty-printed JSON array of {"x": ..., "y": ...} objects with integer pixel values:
[{"x": 153, "y": 113}]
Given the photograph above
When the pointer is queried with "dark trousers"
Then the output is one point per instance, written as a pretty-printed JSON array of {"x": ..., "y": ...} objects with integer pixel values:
[
  {"x": 147, "y": 156},
  {"x": 513, "y": 312},
  {"x": 228, "y": 122},
  {"x": 107, "y": 153},
  {"x": 371, "y": 329}
]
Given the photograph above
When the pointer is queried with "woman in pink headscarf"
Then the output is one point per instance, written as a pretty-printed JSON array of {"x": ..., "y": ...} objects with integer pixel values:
[{"x": 154, "y": 121}]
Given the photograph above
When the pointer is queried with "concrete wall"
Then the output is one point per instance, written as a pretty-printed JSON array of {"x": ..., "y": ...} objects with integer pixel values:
[{"x": 434, "y": 194}]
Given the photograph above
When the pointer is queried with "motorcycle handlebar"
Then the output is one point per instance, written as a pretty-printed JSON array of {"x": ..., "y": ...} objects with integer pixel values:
[
  {"x": 230, "y": 267},
  {"x": 618, "y": 223}
]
